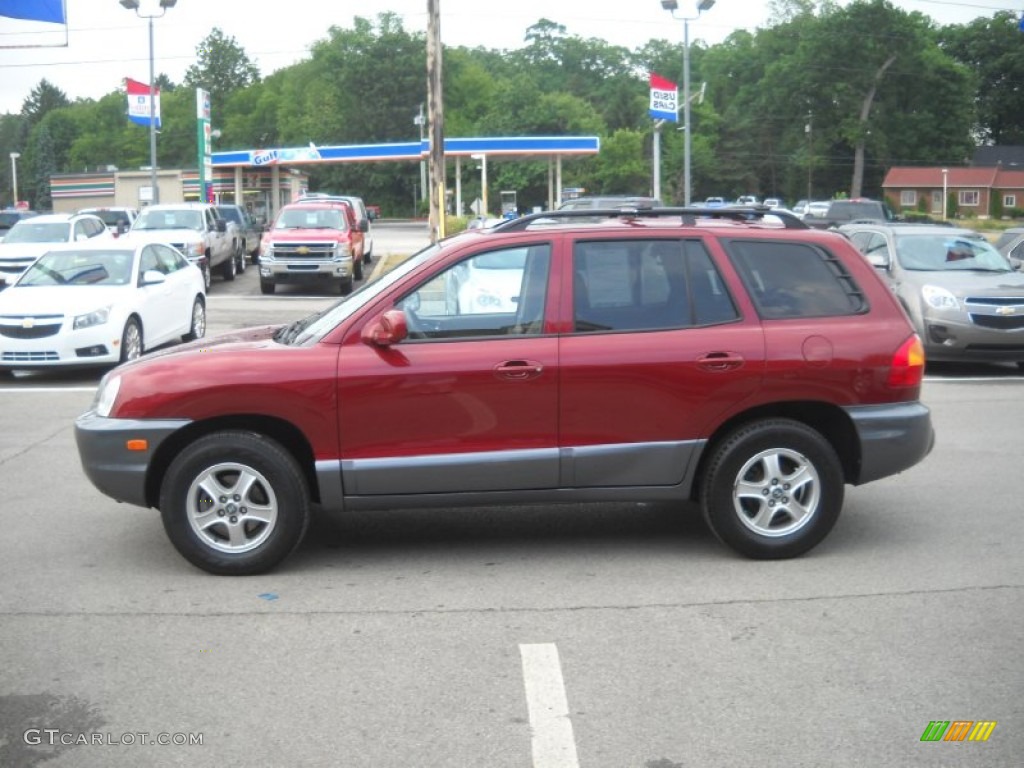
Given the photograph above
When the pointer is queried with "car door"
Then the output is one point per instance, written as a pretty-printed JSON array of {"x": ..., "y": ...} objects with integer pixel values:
[
  {"x": 157, "y": 304},
  {"x": 657, "y": 351},
  {"x": 466, "y": 403}
]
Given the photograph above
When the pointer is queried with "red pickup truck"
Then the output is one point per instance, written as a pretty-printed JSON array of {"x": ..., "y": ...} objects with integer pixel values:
[{"x": 313, "y": 241}]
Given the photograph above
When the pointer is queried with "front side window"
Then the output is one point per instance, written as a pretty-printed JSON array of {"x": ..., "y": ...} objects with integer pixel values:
[
  {"x": 494, "y": 293},
  {"x": 636, "y": 285},
  {"x": 788, "y": 280}
]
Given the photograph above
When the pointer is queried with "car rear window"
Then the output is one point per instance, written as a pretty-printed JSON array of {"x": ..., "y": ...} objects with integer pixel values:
[{"x": 789, "y": 279}]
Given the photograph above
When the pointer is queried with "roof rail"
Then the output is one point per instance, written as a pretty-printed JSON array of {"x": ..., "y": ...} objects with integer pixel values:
[{"x": 688, "y": 215}]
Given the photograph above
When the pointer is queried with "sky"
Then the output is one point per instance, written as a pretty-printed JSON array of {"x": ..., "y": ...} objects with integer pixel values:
[{"x": 106, "y": 43}]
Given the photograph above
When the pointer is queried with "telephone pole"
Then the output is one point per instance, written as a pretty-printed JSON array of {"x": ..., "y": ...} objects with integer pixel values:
[{"x": 435, "y": 107}]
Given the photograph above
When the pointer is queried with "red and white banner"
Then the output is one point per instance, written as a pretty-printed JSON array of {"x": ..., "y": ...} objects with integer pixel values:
[
  {"x": 664, "y": 99},
  {"x": 138, "y": 102}
]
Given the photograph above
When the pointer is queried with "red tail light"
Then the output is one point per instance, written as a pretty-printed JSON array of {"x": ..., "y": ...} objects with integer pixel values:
[{"x": 907, "y": 369}]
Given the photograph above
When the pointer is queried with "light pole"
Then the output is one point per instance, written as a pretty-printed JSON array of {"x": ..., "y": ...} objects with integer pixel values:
[
  {"x": 133, "y": 5},
  {"x": 483, "y": 183},
  {"x": 945, "y": 187},
  {"x": 14, "y": 175},
  {"x": 673, "y": 6},
  {"x": 421, "y": 121}
]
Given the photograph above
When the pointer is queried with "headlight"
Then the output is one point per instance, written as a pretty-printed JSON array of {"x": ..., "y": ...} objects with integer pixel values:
[
  {"x": 194, "y": 250},
  {"x": 96, "y": 317},
  {"x": 107, "y": 394},
  {"x": 939, "y": 297},
  {"x": 344, "y": 250}
]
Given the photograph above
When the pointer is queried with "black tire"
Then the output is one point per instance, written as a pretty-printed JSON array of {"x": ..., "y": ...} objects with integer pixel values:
[
  {"x": 197, "y": 324},
  {"x": 357, "y": 269},
  {"x": 345, "y": 287},
  {"x": 207, "y": 276},
  {"x": 235, "y": 534},
  {"x": 229, "y": 268},
  {"x": 241, "y": 258},
  {"x": 772, "y": 519},
  {"x": 368, "y": 256},
  {"x": 267, "y": 287},
  {"x": 132, "y": 342}
]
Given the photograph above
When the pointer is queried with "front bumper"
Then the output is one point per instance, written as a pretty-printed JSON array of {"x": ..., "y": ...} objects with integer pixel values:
[
  {"x": 46, "y": 345},
  {"x": 892, "y": 438},
  {"x": 302, "y": 271},
  {"x": 115, "y": 470},
  {"x": 982, "y": 334}
]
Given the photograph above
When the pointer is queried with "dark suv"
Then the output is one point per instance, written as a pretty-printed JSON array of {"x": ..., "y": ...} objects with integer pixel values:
[
  {"x": 749, "y": 364},
  {"x": 848, "y": 211}
]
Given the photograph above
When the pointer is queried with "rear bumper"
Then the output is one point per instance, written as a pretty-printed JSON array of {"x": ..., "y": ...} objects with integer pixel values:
[{"x": 892, "y": 438}]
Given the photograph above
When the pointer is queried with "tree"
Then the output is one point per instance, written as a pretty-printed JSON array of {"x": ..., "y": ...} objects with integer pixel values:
[
  {"x": 994, "y": 49},
  {"x": 43, "y": 98},
  {"x": 222, "y": 67}
]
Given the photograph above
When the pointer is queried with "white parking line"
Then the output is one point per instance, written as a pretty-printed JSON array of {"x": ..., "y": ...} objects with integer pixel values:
[{"x": 554, "y": 745}]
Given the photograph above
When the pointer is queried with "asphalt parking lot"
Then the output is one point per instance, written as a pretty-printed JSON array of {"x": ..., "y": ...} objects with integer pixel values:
[{"x": 613, "y": 635}]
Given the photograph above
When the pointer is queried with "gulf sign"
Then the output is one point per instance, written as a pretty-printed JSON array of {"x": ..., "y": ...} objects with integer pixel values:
[{"x": 664, "y": 99}]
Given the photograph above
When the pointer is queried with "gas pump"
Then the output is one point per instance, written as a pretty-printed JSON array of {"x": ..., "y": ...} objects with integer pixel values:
[{"x": 509, "y": 208}]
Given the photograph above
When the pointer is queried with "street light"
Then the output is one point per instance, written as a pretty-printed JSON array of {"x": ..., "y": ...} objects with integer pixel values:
[
  {"x": 14, "y": 175},
  {"x": 133, "y": 5},
  {"x": 483, "y": 183},
  {"x": 673, "y": 6},
  {"x": 945, "y": 187}
]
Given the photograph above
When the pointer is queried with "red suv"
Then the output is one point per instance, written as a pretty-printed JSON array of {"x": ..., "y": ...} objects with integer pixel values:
[{"x": 724, "y": 356}]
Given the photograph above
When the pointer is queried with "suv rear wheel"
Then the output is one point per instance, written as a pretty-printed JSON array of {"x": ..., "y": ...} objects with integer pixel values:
[
  {"x": 235, "y": 503},
  {"x": 772, "y": 489}
]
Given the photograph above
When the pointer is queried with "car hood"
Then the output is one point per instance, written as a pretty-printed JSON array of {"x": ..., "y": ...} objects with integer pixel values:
[
  {"x": 966, "y": 283},
  {"x": 163, "y": 235},
  {"x": 24, "y": 249},
  {"x": 229, "y": 341},
  {"x": 59, "y": 300},
  {"x": 295, "y": 235}
]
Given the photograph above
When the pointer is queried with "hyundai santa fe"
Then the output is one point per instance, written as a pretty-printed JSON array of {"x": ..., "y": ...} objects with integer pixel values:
[{"x": 742, "y": 362}]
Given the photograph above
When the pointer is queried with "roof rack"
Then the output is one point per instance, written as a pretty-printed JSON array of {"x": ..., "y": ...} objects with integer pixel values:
[{"x": 688, "y": 215}]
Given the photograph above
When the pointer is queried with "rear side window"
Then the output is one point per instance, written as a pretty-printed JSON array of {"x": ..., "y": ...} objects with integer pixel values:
[
  {"x": 788, "y": 280},
  {"x": 635, "y": 285}
]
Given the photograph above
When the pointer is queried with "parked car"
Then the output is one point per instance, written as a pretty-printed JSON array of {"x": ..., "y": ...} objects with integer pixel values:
[
  {"x": 195, "y": 229},
  {"x": 315, "y": 241},
  {"x": 963, "y": 296},
  {"x": 610, "y": 202},
  {"x": 363, "y": 220},
  {"x": 816, "y": 208},
  {"x": 841, "y": 212},
  {"x": 30, "y": 237},
  {"x": 755, "y": 368},
  {"x": 99, "y": 303},
  {"x": 10, "y": 217},
  {"x": 119, "y": 219},
  {"x": 800, "y": 207},
  {"x": 747, "y": 200},
  {"x": 715, "y": 202},
  {"x": 774, "y": 202},
  {"x": 248, "y": 234}
]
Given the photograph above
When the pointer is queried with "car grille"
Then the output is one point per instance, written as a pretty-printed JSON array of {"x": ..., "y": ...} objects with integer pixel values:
[
  {"x": 30, "y": 327},
  {"x": 303, "y": 250},
  {"x": 29, "y": 357},
  {"x": 1001, "y": 313}
]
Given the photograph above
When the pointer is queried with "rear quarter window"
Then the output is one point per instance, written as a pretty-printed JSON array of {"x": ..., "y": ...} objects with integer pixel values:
[{"x": 793, "y": 279}]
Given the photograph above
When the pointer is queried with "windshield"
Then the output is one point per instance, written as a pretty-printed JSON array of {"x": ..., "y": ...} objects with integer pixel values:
[
  {"x": 79, "y": 268},
  {"x": 310, "y": 218},
  {"x": 169, "y": 219},
  {"x": 315, "y": 326},
  {"x": 943, "y": 252},
  {"x": 29, "y": 231}
]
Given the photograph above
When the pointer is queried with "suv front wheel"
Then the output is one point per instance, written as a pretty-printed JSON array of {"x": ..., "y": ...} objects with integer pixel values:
[
  {"x": 773, "y": 489},
  {"x": 234, "y": 503}
]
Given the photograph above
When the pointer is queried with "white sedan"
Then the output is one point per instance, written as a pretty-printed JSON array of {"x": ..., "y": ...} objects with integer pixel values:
[{"x": 99, "y": 303}]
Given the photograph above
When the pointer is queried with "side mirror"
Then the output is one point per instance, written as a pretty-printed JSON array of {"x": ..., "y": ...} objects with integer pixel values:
[
  {"x": 390, "y": 328},
  {"x": 878, "y": 260},
  {"x": 153, "y": 277},
  {"x": 122, "y": 226},
  {"x": 364, "y": 225}
]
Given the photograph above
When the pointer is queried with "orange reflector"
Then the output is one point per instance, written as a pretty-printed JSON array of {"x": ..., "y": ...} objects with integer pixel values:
[{"x": 137, "y": 445}]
